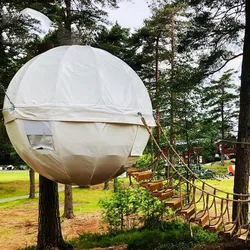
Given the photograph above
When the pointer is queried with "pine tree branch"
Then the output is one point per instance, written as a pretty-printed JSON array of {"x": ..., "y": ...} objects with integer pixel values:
[{"x": 226, "y": 62}]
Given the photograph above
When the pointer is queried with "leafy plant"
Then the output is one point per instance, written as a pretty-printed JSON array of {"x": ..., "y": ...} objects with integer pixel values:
[
  {"x": 173, "y": 235},
  {"x": 129, "y": 208},
  {"x": 202, "y": 173},
  {"x": 144, "y": 160}
]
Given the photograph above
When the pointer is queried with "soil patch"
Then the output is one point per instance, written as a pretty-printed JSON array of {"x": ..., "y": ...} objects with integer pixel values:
[{"x": 18, "y": 229}]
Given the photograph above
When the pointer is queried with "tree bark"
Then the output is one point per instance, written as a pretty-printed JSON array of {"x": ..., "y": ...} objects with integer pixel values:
[
  {"x": 49, "y": 227},
  {"x": 222, "y": 126},
  {"x": 158, "y": 130},
  {"x": 68, "y": 202},
  {"x": 172, "y": 94},
  {"x": 241, "y": 180},
  {"x": 32, "y": 184},
  {"x": 115, "y": 185},
  {"x": 106, "y": 185}
]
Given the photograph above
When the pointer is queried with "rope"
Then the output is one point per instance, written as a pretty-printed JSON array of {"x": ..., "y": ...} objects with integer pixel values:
[
  {"x": 12, "y": 104},
  {"x": 181, "y": 176},
  {"x": 186, "y": 166}
]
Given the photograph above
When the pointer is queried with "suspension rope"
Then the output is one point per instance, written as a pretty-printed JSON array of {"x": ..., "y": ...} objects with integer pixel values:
[
  {"x": 184, "y": 178},
  {"x": 186, "y": 166},
  {"x": 12, "y": 104}
]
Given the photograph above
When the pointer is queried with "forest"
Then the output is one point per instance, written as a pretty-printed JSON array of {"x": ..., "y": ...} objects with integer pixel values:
[{"x": 186, "y": 54}]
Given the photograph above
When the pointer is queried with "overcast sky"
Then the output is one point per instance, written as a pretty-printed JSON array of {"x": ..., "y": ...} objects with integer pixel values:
[{"x": 130, "y": 14}]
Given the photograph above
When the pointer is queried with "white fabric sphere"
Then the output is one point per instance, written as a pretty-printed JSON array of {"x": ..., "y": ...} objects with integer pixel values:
[{"x": 72, "y": 114}]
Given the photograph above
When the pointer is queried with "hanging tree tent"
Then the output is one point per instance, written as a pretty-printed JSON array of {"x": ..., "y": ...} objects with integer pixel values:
[{"x": 72, "y": 114}]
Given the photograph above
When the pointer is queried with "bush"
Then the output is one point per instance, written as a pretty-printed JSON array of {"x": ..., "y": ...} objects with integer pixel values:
[
  {"x": 129, "y": 208},
  {"x": 144, "y": 160},
  {"x": 146, "y": 240},
  {"x": 173, "y": 235}
]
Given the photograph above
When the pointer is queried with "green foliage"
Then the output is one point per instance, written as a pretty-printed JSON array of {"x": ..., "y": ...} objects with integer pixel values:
[
  {"x": 144, "y": 160},
  {"x": 173, "y": 235},
  {"x": 201, "y": 172},
  {"x": 221, "y": 98},
  {"x": 129, "y": 207}
]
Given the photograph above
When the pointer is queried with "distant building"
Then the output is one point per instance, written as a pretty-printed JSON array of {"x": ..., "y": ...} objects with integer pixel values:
[{"x": 229, "y": 149}]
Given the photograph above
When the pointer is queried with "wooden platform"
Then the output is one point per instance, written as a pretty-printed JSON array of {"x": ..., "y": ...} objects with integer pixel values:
[
  {"x": 174, "y": 203},
  {"x": 132, "y": 170},
  {"x": 188, "y": 210},
  {"x": 201, "y": 218},
  {"x": 141, "y": 176},
  {"x": 242, "y": 234},
  {"x": 152, "y": 186},
  {"x": 214, "y": 224},
  {"x": 229, "y": 229},
  {"x": 163, "y": 195}
]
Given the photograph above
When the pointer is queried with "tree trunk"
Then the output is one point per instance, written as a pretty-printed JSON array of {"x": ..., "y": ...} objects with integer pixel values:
[
  {"x": 222, "y": 128},
  {"x": 115, "y": 185},
  {"x": 68, "y": 35},
  {"x": 172, "y": 94},
  {"x": 106, "y": 185},
  {"x": 68, "y": 202},
  {"x": 32, "y": 184},
  {"x": 241, "y": 179},
  {"x": 49, "y": 227},
  {"x": 158, "y": 130}
]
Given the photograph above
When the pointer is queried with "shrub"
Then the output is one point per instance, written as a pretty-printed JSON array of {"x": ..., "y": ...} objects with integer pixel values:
[
  {"x": 129, "y": 208},
  {"x": 144, "y": 160},
  {"x": 174, "y": 235},
  {"x": 146, "y": 240}
]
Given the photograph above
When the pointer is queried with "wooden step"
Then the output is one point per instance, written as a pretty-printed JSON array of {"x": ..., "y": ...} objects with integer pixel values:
[
  {"x": 158, "y": 193},
  {"x": 243, "y": 233},
  {"x": 152, "y": 186},
  {"x": 229, "y": 229},
  {"x": 188, "y": 210},
  {"x": 143, "y": 176},
  {"x": 163, "y": 195},
  {"x": 200, "y": 218},
  {"x": 132, "y": 170},
  {"x": 214, "y": 224},
  {"x": 174, "y": 203}
]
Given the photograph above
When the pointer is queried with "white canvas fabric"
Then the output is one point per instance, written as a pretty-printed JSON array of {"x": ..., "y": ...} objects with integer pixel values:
[
  {"x": 78, "y": 83},
  {"x": 72, "y": 114}
]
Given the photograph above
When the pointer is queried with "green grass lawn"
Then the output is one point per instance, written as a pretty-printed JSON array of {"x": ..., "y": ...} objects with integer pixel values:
[
  {"x": 86, "y": 200},
  {"x": 216, "y": 166},
  {"x": 15, "y": 183},
  {"x": 12, "y": 176}
]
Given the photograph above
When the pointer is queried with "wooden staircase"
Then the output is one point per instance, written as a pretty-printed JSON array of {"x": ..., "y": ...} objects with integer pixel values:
[{"x": 187, "y": 210}]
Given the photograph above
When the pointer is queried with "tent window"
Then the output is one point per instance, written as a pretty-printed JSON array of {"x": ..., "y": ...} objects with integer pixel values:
[{"x": 39, "y": 134}]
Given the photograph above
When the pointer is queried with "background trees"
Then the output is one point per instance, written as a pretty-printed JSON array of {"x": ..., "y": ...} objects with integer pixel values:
[
  {"x": 177, "y": 49},
  {"x": 220, "y": 99}
]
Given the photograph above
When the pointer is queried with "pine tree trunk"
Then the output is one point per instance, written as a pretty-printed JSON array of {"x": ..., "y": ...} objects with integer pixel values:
[
  {"x": 222, "y": 130},
  {"x": 68, "y": 202},
  {"x": 172, "y": 94},
  {"x": 115, "y": 185},
  {"x": 49, "y": 227},
  {"x": 241, "y": 179},
  {"x": 106, "y": 185},
  {"x": 32, "y": 184}
]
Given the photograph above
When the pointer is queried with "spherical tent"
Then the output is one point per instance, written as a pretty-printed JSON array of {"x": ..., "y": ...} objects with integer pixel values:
[{"x": 72, "y": 114}]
